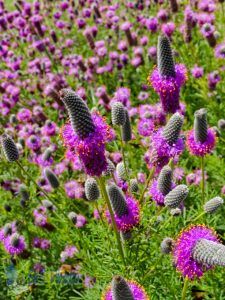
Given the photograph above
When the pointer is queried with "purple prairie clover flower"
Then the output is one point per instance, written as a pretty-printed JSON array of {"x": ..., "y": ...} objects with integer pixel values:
[
  {"x": 197, "y": 72},
  {"x": 220, "y": 51},
  {"x": 168, "y": 88},
  {"x": 74, "y": 189},
  {"x": 162, "y": 149},
  {"x": 68, "y": 252},
  {"x": 178, "y": 174},
  {"x": 183, "y": 250},
  {"x": 162, "y": 15},
  {"x": 146, "y": 127},
  {"x": 168, "y": 29},
  {"x": 89, "y": 281},
  {"x": 15, "y": 244},
  {"x": 167, "y": 78},
  {"x": 33, "y": 142},
  {"x": 24, "y": 115},
  {"x": 81, "y": 221},
  {"x": 86, "y": 134},
  {"x": 156, "y": 195},
  {"x": 122, "y": 94},
  {"x": 49, "y": 128},
  {"x": 130, "y": 218},
  {"x": 130, "y": 286},
  {"x": 208, "y": 31},
  {"x": 213, "y": 79},
  {"x": 152, "y": 24},
  {"x": 198, "y": 148}
]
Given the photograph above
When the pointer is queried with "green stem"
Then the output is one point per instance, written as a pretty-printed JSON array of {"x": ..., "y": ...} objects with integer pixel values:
[
  {"x": 203, "y": 180},
  {"x": 147, "y": 183},
  {"x": 184, "y": 291},
  {"x": 124, "y": 159},
  {"x": 198, "y": 217},
  {"x": 106, "y": 198}
]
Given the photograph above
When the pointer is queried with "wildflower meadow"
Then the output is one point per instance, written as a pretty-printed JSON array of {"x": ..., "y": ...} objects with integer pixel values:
[{"x": 112, "y": 137}]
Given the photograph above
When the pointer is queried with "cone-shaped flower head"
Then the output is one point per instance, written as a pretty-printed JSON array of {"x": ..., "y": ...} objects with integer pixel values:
[
  {"x": 23, "y": 192},
  {"x": 165, "y": 61},
  {"x": 172, "y": 129},
  {"x": 91, "y": 189},
  {"x": 110, "y": 168},
  {"x": 176, "y": 196},
  {"x": 15, "y": 244},
  {"x": 126, "y": 128},
  {"x": 202, "y": 139},
  {"x": 52, "y": 178},
  {"x": 80, "y": 117},
  {"x": 167, "y": 245},
  {"x": 209, "y": 253},
  {"x": 87, "y": 134},
  {"x": 126, "y": 209},
  {"x": 134, "y": 185},
  {"x": 167, "y": 78},
  {"x": 196, "y": 250},
  {"x": 164, "y": 182},
  {"x": 9, "y": 148},
  {"x": 201, "y": 125},
  {"x": 122, "y": 289},
  {"x": 212, "y": 205},
  {"x": 121, "y": 171},
  {"x": 118, "y": 114},
  {"x": 73, "y": 217},
  {"x": 47, "y": 154},
  {"x": 118, "y": 200}
]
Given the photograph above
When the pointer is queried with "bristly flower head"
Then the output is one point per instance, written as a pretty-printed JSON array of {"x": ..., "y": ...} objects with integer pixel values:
[
  {"x": 189, "y": 260},
  {"x": 126, "y": 128},
  {"x": 122, "y": 289},
  {"x": 126, "y": 209},
  {"x": 87, "y": 134},
  {"x": 14, "y": 244},
  {"x": 118, "y": 114},
  {"x": 168, "y": 78},
  {"x": 165, "y": 143},
  {"x": 201, "y": 140},
  {"x": 91, "y": 189},
  {"x": 9, "y": 148},
  {"x": 174, "y": 198},
  {"x": 212, "y": 205}
]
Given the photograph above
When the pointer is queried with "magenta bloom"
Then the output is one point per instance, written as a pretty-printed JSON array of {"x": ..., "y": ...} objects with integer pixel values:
[
  {"x": 74, "y": 189},
  {"x": 198, "y": 148},
  {"x": 184, "y": 245},
  {"x": 160, "y": 151},
  {"x": 68, "y": 252},
  {"x": 91, "y": 150},
  {"x": 18, "y": 247},
  {"x": 146, "y": 127},
  {"x": 126, "y": 222},
  {"x": 168, "y": 88},
  {"x": 220, "y": 51},
  {"x": 197, "y": 72},
  {"x": 137, "y": 290}
]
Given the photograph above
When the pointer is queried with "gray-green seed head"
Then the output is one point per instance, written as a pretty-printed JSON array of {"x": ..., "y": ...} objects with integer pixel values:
[
  {"x": 167, "y": 245},
  {"x": 172, "y": 129},
  {"x": 9, "y": 148},
  {"x": 52, "y": 178},
  {"x": 7, "y": 229},
  {"x": 221, "y": 124},
  {"x": 117, "y": 200},
  {"x": 200, "y": 125},
  {"x": 23, "y": 192},
  {"x": 14, "y": 239},
  {"x": 121, "y": 171},
  {"x": 133, "y": 186},
  {"x": 175, "y": 212},
  {"x": 209, "y": 253},
  {"x": 165, "y": 61},
  {"x": 110, "y": 168},
  {"x": 79, "y": 113},
  {"x": 126, "y": 128},
  {"x": 212, "y": 205},
  {"x": 47, "y": 154},
  {"x": 164, "y": 181},
  {"x": 118, "y": 114},
  {"x": 176, "y": 196},
  {"x": 121, "y": 289},
  {"x": 92, "y": 192},
  {"x": 73, "y": 217},
  {"x": 48, "y": 204}
]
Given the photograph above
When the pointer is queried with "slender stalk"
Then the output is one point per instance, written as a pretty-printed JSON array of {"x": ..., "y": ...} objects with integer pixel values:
[
  {"x": 203, "y": 180},
  {"x": 184, "y": 291},
  {"x": 124, "y": 158},
  {"x": 198, "y": 217},
  {"x": 106, "y": 198},
  {"x": 147, "y": 184}
]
